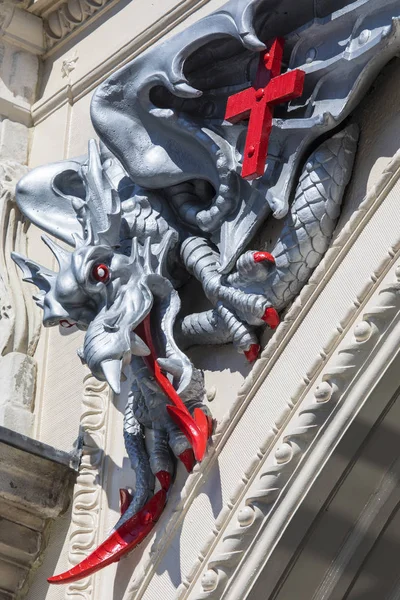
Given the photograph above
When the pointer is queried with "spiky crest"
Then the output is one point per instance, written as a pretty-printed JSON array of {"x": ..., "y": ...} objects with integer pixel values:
[
  {"x": 32, "y": 272},
  {"x": 62, "y": 256},
  {"x": 100, "y": 213}
]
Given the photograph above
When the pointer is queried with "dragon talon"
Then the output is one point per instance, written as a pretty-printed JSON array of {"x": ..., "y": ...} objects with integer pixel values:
[
  {"x": 165, "y": 479},
  {"x": 201, "y": 421},
  {"x": 271, "y": 318},
  {"x": 119, "y": 543},
  {"x": 210, "y": 426},
  {"x": 125, "y": 498},
  {"x": 195, "y": 436},
  {"x": 188, "y": 459},
  {"x": 252, "y": 353},
  {"x": 263, "y": 257}
]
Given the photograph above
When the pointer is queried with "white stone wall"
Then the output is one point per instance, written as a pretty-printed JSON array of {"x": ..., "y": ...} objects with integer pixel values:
[{"x": 21, "y": 41}]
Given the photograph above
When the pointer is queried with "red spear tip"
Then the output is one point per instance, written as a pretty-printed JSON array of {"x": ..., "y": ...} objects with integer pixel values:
[
  {"x": 202, "y": 422},
  {"x": 271, "y": 318},
  {"x": 120, "y": 542}
]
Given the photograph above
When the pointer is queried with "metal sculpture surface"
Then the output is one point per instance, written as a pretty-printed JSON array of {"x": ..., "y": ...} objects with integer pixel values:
[{"x": 163, "y": 199}]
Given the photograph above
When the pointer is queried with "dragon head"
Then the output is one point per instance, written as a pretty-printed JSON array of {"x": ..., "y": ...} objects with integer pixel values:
[{"x": 105, "y": 286}]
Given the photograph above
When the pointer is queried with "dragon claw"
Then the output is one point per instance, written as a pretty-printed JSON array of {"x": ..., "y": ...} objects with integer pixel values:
[
  {"x": 263, "y": 257},
  {"x": 196, "y": 436},
  {"x": 119, "y": 543},
  {"x": 165, "y": 479},
  {"x": 271, "y": 318},
  {"x": 252, "y": 353},
  {"x": 188, "y": 459},
  {"x": 125, "y": 498},
  {"x": 194, "y": 429}
]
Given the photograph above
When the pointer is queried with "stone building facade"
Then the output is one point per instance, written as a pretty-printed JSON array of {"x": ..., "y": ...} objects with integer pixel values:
[{"x": 298, "y": 494}]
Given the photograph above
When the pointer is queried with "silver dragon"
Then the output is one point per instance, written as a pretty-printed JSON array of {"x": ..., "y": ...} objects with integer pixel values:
[{"x": 160, "y": 200}]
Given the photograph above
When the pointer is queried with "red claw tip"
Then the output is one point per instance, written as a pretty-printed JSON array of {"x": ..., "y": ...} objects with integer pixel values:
[
  {"x": 119, "y": 543},
  {"x": 165, "y": 479},
  {"x": 271, "y": 318},
  {"x": 210, "y": 426},
  {"x": 263, "y": 257},
  {"x": 188, "y": 459},
  {"x": 125, "y": 498},
  {"x": 194, "y": 430},
  {"x": 252, "y": 353}
]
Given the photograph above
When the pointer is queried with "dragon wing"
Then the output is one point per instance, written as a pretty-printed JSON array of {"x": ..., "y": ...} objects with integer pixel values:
[{"x": 162, "y": 114}]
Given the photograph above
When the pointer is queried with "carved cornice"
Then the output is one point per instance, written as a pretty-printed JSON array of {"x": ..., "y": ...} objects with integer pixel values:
[
  {"x": 21, "y": 29},
  {"x": 299, "y": 310},
  {"x": 61, "y": 22},
  {"x": 80, "y": 88},
  {"x": 298, "y": 439}
]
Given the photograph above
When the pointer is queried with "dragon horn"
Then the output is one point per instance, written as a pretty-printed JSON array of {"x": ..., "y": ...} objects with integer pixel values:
[
  {"x": 63, "y": 256},
  {"x": 120, "y": 542}
]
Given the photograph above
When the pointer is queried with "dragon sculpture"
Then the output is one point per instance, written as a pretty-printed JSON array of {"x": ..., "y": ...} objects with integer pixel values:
[{"x": 161, "y": 200}]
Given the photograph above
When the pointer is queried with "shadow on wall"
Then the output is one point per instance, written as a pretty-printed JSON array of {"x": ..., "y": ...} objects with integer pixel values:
[{"x": 379, "y": 139}]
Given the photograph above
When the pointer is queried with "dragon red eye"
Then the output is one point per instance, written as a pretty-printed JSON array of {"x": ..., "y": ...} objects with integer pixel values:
[{"x": 101, "y": 273}]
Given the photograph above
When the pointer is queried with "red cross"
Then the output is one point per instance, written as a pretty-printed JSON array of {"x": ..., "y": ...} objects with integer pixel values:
[{"x": 256, "y": 104}]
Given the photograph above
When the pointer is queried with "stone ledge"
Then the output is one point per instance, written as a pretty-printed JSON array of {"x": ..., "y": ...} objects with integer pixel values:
[
  {"x": 35, "y": 488},
  {"x": 44, "y": 451}
]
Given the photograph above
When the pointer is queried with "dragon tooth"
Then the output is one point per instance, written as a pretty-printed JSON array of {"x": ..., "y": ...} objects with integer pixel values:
[{"x": 112, "y": 372}]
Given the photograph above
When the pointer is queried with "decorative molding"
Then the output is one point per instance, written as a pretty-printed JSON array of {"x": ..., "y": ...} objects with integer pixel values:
[
  {"x": 69, "y": 18},
  {"x": 269, "y": 357},
  {"x": 59, "y": 24},
  {"x": 87, "y": 491},
  {"x": 19, "y": 317},
  {"x": 83, "y": 86},
  {"x": 69, "y": 65},
  {"x": 22, "y": 29},
  {"x": 266, "y": 489},
  {"x": 22, "y": 334}
]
